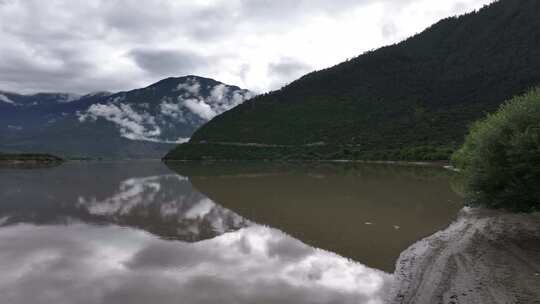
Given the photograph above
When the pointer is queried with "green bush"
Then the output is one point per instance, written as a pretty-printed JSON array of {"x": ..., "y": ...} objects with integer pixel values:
[{"x": 500, "y": 158}]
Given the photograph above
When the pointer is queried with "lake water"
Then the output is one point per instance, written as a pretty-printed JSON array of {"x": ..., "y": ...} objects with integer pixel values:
[{"x": 142, "y": 232}]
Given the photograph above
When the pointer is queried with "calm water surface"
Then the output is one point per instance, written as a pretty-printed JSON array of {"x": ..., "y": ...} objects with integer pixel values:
[{"x": 140, "y": 232}]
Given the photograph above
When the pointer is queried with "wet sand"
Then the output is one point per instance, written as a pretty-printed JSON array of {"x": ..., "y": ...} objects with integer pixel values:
[{"x": 483, "y": 257}]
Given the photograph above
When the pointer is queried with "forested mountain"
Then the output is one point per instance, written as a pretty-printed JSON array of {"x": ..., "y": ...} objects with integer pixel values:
[
  {"x": 412, "y": 100},
  {"x": 142, "y": 123}
]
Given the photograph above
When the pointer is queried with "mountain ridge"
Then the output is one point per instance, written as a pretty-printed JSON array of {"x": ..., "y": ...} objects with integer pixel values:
[
  {"x": 139, "y": 123},
  {"x": 391, "y": 103}
]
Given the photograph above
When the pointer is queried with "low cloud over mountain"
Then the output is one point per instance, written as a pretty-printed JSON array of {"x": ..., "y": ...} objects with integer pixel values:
[{"x": 138, "y": 123}]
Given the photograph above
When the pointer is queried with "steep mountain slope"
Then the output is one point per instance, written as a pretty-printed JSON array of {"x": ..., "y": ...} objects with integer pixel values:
[
  {"x": 143, "y": 123},
  {"x": 411, "y": 100}
]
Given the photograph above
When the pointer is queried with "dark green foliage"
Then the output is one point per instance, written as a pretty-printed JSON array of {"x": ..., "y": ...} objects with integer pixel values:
[
  {"x": 202, "y": 151},
  {"x": 423, "y": 92},
  {"x": 500, "y": 159}
]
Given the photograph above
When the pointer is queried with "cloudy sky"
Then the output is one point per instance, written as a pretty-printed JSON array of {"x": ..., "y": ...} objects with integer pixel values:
[{"x": 95, "y": 45}]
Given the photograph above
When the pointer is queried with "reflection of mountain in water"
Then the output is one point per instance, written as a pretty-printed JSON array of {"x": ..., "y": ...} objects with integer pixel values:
[
  {"x": 370, "y": 213},
  {"x": 57, "y": 254},
  {"x": 164, "y": 204}
]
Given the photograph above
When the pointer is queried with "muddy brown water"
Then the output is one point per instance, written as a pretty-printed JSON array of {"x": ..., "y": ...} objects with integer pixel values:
[{"x": 139, "y": 232}]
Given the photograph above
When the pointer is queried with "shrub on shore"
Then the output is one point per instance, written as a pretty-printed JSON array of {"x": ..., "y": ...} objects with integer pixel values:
[{"x": 500, "y": 158}]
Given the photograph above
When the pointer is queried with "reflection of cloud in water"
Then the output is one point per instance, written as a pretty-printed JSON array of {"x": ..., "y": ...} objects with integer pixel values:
[
  {"x": 170, "y": 199},
  {"x": 89, "y": 264},
  {"x": 131, "y": 193}
]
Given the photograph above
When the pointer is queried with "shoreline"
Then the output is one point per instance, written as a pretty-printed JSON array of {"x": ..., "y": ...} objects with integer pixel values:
[
  {"x": 16, "y": 164},
  {"x": 25, "y": 160},
  {"x": 485, "y": 256},
  {"x": 440, "y": 163}
]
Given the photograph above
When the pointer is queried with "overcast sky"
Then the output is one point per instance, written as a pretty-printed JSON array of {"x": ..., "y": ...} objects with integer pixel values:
[{"x": 94, "y": 45}]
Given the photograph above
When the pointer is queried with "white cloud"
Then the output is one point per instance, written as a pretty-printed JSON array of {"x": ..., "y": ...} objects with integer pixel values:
[
  {"x": 286, "y": 69},
  {"x": 133, "y": 125},
  {"x": 200, "y": 209},
  {"x": 46, "y": 47},
  {"x": 219, "y": 92},
  {"x": 5, "y": 99},
  {"x": 179, "y": 140},
  {"x": 110, "y": 264},
  {"x": 193, "y": 106},
  {"x": 171, "y": 109},
  {"x": 192, "y": 86},
  {"x": 69, "y": 97},
  {"x": 145, "y": 193},
  {"x": 132, "y": 193},
  {"x": 239, "y": 97},
  {"x": 220, "y": 99},
  {"x": 200, "y": 107}
]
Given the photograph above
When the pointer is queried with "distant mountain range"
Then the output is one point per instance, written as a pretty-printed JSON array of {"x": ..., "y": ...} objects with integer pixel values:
[
  {"x": 412, "y": 100},
  {"x": 142, "y": 123}
]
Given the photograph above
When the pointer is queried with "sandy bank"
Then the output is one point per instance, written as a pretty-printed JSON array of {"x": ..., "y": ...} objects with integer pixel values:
[{"x": 484, "y": 257}]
